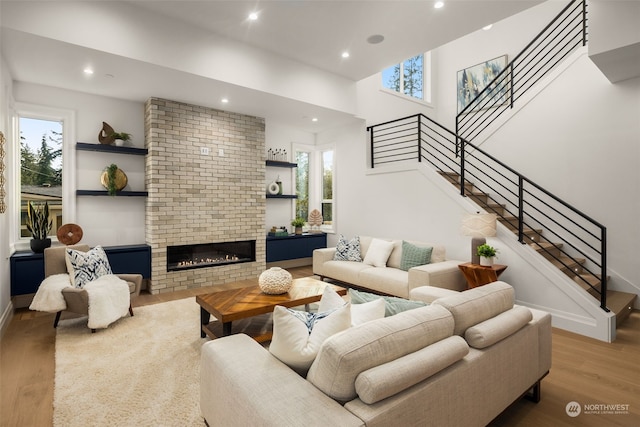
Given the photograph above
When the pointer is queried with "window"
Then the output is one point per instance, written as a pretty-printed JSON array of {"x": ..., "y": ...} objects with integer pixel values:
[
  {"x": 315, "y": 183},
  {"x": 44, "y": 159},
  {"x": 411, "y": 77}
]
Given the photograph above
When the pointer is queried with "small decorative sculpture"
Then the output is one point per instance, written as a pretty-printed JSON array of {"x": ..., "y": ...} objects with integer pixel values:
[
  {"x": 275, "y": 281},
  {"x": 105, "y": 136},
  {"x": 315, "y": 221}
]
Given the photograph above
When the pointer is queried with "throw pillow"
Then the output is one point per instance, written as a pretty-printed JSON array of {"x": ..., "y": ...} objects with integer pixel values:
[
  {"x": 413, "y": 256},
  {"x": 83, "y": 267},
  {"x": 367, "y": 311},
  {"x": 393, "y": 305},
  {"x": 298, "y": 335},
  {"x": 378, "y": 253},
  {"x": 348, "y": 250}
]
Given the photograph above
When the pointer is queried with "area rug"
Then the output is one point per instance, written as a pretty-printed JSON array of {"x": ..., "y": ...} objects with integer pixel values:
[{"x": 140, "y": 371}]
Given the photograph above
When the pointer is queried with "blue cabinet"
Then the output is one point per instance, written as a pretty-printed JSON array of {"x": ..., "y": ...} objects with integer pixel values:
[
  {"x": 27, "y": 268},
  {"x": 294, "y": 246}
]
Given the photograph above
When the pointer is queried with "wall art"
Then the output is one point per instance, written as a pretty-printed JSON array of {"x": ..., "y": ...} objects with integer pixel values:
[{"x": 473, "y": 80}]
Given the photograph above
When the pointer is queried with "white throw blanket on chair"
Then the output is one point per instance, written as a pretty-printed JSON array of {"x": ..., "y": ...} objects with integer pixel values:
[{"x": 108, "y": 298}]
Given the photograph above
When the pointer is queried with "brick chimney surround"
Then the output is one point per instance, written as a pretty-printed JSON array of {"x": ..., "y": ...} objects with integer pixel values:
[{"x": 205, "y": 175}]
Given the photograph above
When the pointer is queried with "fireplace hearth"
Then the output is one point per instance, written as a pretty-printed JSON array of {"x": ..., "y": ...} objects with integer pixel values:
[{"x": 204, "y": 255}]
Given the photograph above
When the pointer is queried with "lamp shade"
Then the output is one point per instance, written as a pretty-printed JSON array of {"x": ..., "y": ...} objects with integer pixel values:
[{"x": 479, "y": 225}]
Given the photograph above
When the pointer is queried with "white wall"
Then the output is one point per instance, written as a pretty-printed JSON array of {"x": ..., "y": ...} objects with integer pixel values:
[
  {"x": 105, "y": 220},
  {"x": 6, "y": 101}
]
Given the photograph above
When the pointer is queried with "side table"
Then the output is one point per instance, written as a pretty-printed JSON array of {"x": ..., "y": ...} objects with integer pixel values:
[{"x": 478, "y": 275}]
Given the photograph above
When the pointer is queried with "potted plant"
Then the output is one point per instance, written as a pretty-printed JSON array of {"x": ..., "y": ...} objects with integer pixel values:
[
  {"x": 486, "y": 254},
  {"x": 120, "y": 138},
  {"x": 297, "y": 224},
  {"x": 39, "y": 224}
]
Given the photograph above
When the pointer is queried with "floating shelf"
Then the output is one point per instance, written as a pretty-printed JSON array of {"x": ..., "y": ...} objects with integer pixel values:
[
  {"x": 106, "y": 193},
  {"x": 281, "y": 196},
  {"x": 279, "y": 164},
  {"x": 83, "y": 146}
]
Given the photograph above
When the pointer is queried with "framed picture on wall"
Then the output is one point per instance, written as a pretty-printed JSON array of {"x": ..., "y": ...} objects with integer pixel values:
[{"x": 472, "y": 80}]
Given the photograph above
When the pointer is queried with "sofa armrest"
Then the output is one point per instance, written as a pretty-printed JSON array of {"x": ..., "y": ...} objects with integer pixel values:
[
  {"x": 135, "y": 280},
  {"x": 429, "y": 294},
  {"x": 242, "y": 383},
  {"x": 445, "y": 274},
  {"x": 320, "y": 256}
]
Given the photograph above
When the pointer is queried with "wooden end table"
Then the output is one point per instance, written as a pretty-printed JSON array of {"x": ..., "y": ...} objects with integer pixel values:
[
  {"x": 478, "y": 275},
  {"x": 249, "y": 309}
]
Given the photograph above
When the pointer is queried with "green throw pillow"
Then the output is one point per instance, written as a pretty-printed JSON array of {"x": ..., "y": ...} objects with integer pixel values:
[
  {"x": 413, "y": 256},
  {"x": 393, "y": 305}
]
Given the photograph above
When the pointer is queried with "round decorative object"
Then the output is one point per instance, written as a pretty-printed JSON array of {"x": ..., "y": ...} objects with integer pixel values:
[
  {"x": 69, "y": 234},
  {"x": 273, "y": 188},
  {"x": 121, "y": 179},
  {"x": 275, "y": 281}
]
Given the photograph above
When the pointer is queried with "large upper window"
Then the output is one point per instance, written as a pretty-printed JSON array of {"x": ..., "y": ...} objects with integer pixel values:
[
  {"x": 411, "y": 77},
  {"x": 315, "y": 183}
]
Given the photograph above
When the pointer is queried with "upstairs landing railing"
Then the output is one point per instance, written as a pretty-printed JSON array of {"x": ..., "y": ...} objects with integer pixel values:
[{"x": 563, "y": 35}]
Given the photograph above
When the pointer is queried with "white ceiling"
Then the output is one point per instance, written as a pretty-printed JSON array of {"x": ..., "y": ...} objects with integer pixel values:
[{"x": 310, "y": 32}]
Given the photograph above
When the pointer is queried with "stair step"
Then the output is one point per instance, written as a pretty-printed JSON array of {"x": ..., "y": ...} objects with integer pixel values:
[
  {"x": 547, "y": 249},
  {"x": 568, "y": 266},
  {"x": 594, "y": 281},
  {"x": 620, "y": 303}
]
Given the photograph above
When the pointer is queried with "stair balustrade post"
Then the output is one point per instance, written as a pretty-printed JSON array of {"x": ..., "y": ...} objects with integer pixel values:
[
  {"x": 371, "y": 139},
  {"x": 419, "y": 138},
  {"x": 520, "y": 209},
  {"x": 462, "y": 165},
  {"x": 511, "y": 82},
  {"x": 584, "y": 23},
  {"x": 603, "y": 267}
]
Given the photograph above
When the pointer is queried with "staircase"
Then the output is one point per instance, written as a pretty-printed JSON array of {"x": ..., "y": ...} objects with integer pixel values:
[{"x": 620, "y": 303}]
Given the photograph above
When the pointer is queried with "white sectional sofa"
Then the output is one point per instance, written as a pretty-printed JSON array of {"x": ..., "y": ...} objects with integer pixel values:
[
  {"x": 457, "y": 362},
  {"x": 391, "y": 280}
]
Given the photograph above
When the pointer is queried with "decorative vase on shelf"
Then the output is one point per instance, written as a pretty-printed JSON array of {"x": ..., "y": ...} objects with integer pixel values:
[
  {"x": 275, "y": 281},
  {"x": 486, "y": 261},
  {"x": 119, "y": 142}
]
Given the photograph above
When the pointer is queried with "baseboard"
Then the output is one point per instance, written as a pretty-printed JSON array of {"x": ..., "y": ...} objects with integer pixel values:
[
  {"x": 7, "y": 315},
  {"x": 291, "y": 263}
]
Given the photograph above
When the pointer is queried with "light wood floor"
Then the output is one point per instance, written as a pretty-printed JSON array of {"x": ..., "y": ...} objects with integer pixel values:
[{"x": 583, "y": 370}]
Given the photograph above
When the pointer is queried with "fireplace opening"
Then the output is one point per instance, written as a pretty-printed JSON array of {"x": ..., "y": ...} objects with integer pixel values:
[{"x": 204, "y": 255}]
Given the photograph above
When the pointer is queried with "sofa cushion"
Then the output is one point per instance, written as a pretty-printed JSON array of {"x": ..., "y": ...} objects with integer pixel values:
[
  {"x": 392, "y": 305},
  {"x": 84, "y": 267},
  {"x": 397, "y": 375},
  {"x": 391, "y": 281},
  {"x": 366, "y": 312},
  {"x": 348, "y": 250},
  {"x": 378, "y": 253},
  {"x": 298, "y": 335},
  {"x": 478, "y": 304},
  {"x": 413, "y": 256},
  {"x": 345, "y": 271},
  {"x": 345, "y": 355},
  {"x": 489, "y": 332}
]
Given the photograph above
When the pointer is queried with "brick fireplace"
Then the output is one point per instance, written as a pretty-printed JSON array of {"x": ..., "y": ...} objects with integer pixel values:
[{"x": 205, "y": 175}]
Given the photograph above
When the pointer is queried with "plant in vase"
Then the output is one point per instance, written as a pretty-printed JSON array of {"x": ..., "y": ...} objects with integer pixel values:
[
  {"x": 120, "y": 138},
  {"x": 297, "y": 224},
  {"x": 487, "y": 254},
  {"x": 111, "y": 179},
  {"x": 39, "y": 224}
]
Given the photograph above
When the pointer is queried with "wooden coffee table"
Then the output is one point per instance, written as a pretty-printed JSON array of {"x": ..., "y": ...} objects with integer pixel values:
[{"x": 249, "y": 309}]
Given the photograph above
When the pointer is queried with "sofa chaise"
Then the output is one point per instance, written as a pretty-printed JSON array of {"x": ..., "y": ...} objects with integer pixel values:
[
  {"x": 457, "y": 362},
  {"x": 391, "y": 279}
]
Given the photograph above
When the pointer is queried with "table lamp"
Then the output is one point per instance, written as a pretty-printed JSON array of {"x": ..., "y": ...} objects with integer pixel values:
[{"x": 478, "y": 226}]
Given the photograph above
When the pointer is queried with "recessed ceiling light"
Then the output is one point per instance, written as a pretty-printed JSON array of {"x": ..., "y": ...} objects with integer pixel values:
[
  {"x": 253, "y": 16},
  {"x": 488, "y": 27},
  {"x": 375, "y": 39},
  {"x": 224, "y": 100},
  {"x": 438, "y": 4},
  {"x": 315, "y": 119},
  {"x": 88, "y": 70},
  {"x": 345, "y": 54}
]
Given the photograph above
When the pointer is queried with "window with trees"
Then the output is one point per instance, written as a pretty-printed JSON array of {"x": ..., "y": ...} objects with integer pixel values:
[
  {"x": 410, "y": 77},
  {"x": 40, "y": 168},
  {"x": 315, "y": 183}
]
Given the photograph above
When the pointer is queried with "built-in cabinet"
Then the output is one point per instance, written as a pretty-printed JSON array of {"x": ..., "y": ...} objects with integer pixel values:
[
  {"x": 104, "y": 148},
  {"x": 295, "y": 246}
]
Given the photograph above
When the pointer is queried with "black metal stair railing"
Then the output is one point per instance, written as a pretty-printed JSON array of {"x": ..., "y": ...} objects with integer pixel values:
[
  {"x": 563, "y": 35},
  {"x": 573, "y": 241}
]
